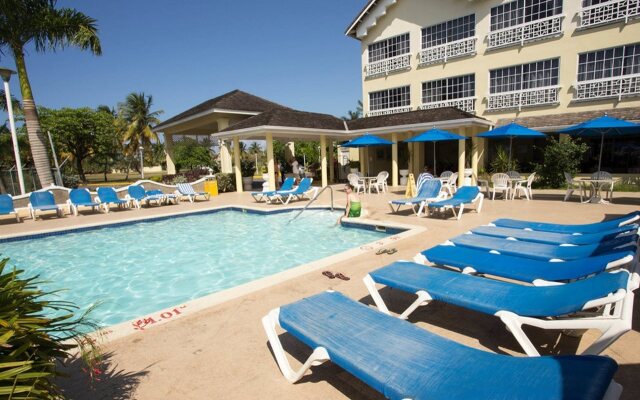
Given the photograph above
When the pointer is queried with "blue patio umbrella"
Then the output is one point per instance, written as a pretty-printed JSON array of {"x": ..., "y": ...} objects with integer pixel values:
[
  {"x": 603, "y": 126},
  {"x": 435, "y": 135},
  {"x": 511, "y": 131},
  {"x": 367, "y": 140}
]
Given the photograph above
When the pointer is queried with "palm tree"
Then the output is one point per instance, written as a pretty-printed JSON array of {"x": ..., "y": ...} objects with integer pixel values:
[
  {"x": 39, "y": 22},
  {"x": 354, "y": 114},
  {"x": 136, "y": 120}
]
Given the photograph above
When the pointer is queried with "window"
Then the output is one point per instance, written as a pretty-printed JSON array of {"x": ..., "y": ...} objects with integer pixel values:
[
  {"x": 527, "y": 76},
  {"x": 457, "y": 87},
  {"x": 609, "y": 63},
  {"x": 521, "y": 11},
  {"x": 587, "y": 3},
  {"x": 449, "y": 31},
  {"x": 390, "y": 98},
  {"x": 388, "y": 48}
]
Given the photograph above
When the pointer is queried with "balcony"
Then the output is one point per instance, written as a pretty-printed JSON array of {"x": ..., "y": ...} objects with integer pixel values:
[
  {"x": 523, "y": 98},
  {"x": 388, "y": 111},
  {"x": 443, "y": 52},
  {"x": 527, "y": 32},
  {"x": 467, "y": 104},
  {"x": 609, "y": 12},
  {"x": 616, "y": 87},
  {"x": 383, "y": 67}
]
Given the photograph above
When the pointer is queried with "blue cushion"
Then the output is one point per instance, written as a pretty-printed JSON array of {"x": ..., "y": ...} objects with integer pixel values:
[
  {"x": 553, "y": 237},
  {"x": 490, "y": 296},
  {"x": 520, "y": 268},
  {"x": 401, "y": 360},
  {"x": 584, "y": 228},
  {"x": 542, "y": 251},
  {"x": 464, "y": 195},
  {"x": 6, "y": 204}
]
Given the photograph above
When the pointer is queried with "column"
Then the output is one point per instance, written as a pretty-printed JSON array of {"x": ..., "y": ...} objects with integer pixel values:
[
  {"x": 415, "y": 168},
  {"x": 363, "y": 160},
  {"x": 271, "y": 168},
  {"x": 461, "y": 157},
  {"x": 421, "y": 161},
  {"x": 482, "y": 147},
  {"x": 474, "y": 159},
  {"x": 411, "y": 154},
  {"x": 225, "y": 155},
  {"x": 323, "y": 159},
  {"x": 236, "y": 164},
  {"x": 331, "y": 162},
  {"x": 168, "y": 151},
  {"x": 394, "y": 159}
]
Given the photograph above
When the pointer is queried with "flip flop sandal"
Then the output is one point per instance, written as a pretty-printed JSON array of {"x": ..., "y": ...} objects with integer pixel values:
[
  {"x": 381, "y": 251},
  {"x": 391, "y": 251},
  {"x": 340, "y": 276},
  {"x": 329, "y": 274}
]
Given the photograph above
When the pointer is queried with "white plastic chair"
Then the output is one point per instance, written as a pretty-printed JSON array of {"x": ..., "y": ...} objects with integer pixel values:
[
  {"x": 451, "y": 185},
  {"x": 606, "y": 186},
  {"x": 514, "y": 174},
  {"x": 500, "y": 183},
  {"x": 380, "y": 183},
  {"x": 357, "y": 183},
  {"x": 571, "y": 186},
  {"x": 446, "y": 174},
  {"x": 524, "y": 186}
]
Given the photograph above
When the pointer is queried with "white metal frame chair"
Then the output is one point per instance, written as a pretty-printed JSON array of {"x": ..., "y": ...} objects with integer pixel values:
[
  {"x": 500, "y": 182},
  {"x": 571, "y": 186},
  {"x": 451, "y": 185},
  {"x": 607, "y": 186},
  {"x": 380, "y": 183},
  {"x": 357, "y": 183},
  {"x": 524, "y": 186}
]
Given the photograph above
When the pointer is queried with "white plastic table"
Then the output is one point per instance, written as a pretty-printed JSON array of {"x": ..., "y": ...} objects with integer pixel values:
[{"x": 596, "y": 188}]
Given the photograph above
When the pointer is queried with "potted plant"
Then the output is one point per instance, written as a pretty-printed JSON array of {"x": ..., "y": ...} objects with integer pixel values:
[{"x": 247, "y": 168}]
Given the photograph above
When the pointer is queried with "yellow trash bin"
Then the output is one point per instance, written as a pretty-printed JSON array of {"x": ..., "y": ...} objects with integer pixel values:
[{"x": 211, "y": 187}]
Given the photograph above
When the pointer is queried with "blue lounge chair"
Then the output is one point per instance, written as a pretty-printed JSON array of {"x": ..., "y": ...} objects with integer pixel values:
[
  {"x": 403, "y": 361},
  {"x": 107, "y": 196},
  {"x": 186, "y": 190},
  {"x": 287, "y": 186},
  {"x": 570, "y": 229},
  {"x": 556, "y": 238},
  {"x": 518, "y": 305},
  {"x": 138, "y": 195},
  {"x": 166, "y": 197},
  {"x": 285, "y": 196},
  {"x": 429, "y": 191},
  {"x": 81, "y": 198},
  {"x": 538, "y": 272},
  {"x": 6, "y": 206},
  {"x": 464, "y": 195},
  {"x": 545, "y": 252},
  {"x": 43, "y": 201}
]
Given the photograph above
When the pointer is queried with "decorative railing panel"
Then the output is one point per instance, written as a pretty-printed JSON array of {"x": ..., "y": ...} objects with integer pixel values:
[
  {"x": 530, "y": 31},
  {"x": 467, "y": 104},
  {"x": 387, "y": 65},
  {"x": 388, "y": 111},
  {"x": 524, "y": 98},
  {"x": 608, "y": 12},
  {"x": 443, "y": 52},
  {"x": 620, "y": 86}
]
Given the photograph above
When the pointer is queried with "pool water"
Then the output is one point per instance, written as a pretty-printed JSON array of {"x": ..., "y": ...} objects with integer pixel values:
[{"x": 136, "y": 269}]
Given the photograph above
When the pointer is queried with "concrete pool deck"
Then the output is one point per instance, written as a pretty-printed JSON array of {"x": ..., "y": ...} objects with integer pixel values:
[{"x": 221, "y": 351}]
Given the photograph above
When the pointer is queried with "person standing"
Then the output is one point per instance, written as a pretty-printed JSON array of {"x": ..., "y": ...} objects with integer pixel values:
[{"x": 295, "y": 168}]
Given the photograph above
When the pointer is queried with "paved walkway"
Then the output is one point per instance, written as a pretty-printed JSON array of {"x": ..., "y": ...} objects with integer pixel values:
[{"x": 221, "y": 351}]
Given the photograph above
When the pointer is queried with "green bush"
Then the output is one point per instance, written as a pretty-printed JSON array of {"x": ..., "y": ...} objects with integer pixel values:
[
  {"x": 501, "y": 162},
  {"x": 179, "y": 179},
  {"x": 247, "y": 168},
  {"x": 31, "y": 343},
  {"x": 560, "y": 156},
  {"x": 226, "y": 182}
]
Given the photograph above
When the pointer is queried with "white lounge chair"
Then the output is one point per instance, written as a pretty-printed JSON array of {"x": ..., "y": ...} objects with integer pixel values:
[{"x": 186, "y": 190}]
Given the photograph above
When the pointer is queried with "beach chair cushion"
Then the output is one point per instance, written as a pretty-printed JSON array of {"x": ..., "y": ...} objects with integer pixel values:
[
  {"x": 554, "y": 237},
  {"x": 401, "y": 360},
  {"x": 560, "y": 228},
  {"x": 43, "y": 201},
  {"x": 81, "y": 197},
  {"x": 430, "y": 189},
  {"x": 109, "y": 195},
  {"x": 520, "y": 268},
  {"x": 6, "y": 204},
  {"x": 464, "y": 195},
  {"x": 490, "y": 296}
]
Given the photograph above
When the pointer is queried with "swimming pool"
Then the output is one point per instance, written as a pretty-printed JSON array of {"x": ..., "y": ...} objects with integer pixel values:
[{"x": 143, "y": 267}]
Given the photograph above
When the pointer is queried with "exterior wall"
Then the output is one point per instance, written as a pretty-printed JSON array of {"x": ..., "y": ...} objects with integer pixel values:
[{"x": 411, "y": 16}]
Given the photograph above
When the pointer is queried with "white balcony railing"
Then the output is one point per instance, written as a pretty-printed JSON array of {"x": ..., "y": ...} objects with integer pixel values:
[
  {"x": 467, "y": 104},
  {"x": 616, "y": 87},
  {"x": 523, "y": 98},
  {"x": 388, "y": 111},
  {"x": 608, "y": 12},
  {"x": 530, "y": 31},
  {"x": 387, "y": 65},
  {"x": 443, "y": 52}
]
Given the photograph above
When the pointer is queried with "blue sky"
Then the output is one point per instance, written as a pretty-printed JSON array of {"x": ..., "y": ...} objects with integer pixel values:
[{"x": 293, "y": 52}]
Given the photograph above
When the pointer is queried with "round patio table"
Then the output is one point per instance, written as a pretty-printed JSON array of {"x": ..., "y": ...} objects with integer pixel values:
[
  {"x": 368, "y": 180},
  {"x": 596, "y": 188}
]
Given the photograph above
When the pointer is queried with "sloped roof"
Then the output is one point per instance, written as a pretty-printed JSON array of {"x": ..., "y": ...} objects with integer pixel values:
[
  {"x": 554, "y": 122},
  {"x": 410, "y": 118},
  {"x": 233, "y": 100},
  {"x": 289, "y": 118},
  {"x": 354, "y": 24}
]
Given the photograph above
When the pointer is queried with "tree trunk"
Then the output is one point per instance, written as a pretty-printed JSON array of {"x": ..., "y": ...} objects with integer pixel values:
[
  {"x": 80, "y": 170},
  {"x": 36, "y": 140}
]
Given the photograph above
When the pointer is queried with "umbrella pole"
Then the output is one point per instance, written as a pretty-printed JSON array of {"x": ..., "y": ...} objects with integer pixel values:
[
  {"x": 434, "y": 159},
  {"x": 601, "y": 146},
  {"x": 510, "y": 146}
]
